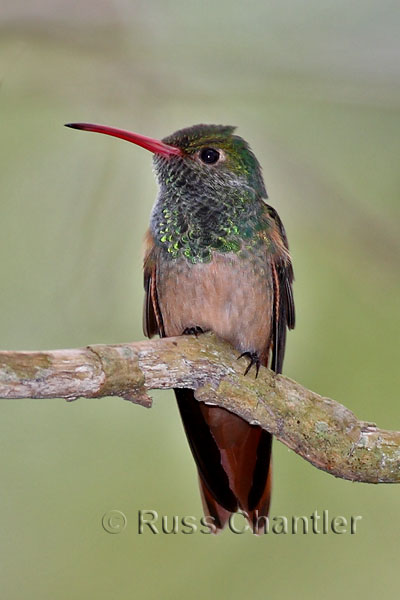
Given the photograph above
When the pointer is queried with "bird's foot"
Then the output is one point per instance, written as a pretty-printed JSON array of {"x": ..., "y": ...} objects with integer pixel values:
[
  {"x": 254, "y": 360},
  {"x": 196, "y": 331}
]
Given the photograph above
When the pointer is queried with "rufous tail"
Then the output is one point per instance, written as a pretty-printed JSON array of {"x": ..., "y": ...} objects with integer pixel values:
[{"x": 233, "y": 460}]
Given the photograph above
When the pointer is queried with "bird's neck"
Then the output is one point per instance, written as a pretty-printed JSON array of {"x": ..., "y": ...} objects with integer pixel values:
[{"x": 193, "y": 226}]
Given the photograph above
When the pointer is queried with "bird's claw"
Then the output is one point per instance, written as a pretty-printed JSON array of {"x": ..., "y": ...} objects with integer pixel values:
[
  {"x": 254, "y": 359},
  {"x": 196, "y": 331}
]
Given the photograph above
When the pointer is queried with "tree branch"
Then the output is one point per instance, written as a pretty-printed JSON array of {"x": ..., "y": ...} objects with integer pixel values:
[{"x": 320, "y": 430}]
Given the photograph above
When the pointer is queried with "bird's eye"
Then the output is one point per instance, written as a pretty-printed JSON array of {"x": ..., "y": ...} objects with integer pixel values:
[{"x": 209, "y": 156}]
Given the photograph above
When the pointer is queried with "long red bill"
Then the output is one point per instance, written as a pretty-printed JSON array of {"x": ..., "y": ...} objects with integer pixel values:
[{"x": 156, "y": 146}]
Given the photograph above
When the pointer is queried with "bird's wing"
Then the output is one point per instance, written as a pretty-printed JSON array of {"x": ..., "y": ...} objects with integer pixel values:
[
  {"x": 284, "y": 311},
  {"x": 152, "y": 319}
]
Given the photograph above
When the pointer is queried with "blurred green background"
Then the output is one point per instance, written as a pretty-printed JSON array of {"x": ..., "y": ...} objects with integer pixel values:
[{"x": 314, "y": 87}]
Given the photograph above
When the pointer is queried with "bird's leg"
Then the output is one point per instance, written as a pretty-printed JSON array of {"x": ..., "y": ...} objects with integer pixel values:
[
  {"x": 196, "y": 331},
  {"x": 254, "y": 360}
]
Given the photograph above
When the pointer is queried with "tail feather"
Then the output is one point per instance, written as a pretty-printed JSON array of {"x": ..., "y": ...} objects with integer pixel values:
[
  {"x": 233, "y": 459},
  {"x": 257, "y": 517},
  {"x": 205, "y": 450},
  {"x": 212, "y": 509}
]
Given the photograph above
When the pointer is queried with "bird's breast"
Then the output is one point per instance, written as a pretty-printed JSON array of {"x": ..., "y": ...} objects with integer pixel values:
[{"x": 230, "y": 295}]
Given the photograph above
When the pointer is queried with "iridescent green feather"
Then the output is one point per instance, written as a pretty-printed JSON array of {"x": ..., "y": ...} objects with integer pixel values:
[{"x": 201, "y": 208}]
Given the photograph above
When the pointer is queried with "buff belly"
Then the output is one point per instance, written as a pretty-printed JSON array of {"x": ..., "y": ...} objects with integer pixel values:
[{"x": 230, "y": 295}]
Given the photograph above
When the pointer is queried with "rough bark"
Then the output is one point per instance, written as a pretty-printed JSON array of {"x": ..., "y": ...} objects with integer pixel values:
[{"x": 322, "y": 431}]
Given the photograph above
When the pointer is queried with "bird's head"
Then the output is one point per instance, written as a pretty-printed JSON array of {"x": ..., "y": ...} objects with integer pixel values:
[{"x": 209, "y": 156}]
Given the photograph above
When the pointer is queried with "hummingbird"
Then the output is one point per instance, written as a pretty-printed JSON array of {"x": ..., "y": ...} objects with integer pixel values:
[{"x": 217, "y": 259}]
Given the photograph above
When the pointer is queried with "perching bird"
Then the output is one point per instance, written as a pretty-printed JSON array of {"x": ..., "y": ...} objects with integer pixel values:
[{"x": 217, "y": 259}]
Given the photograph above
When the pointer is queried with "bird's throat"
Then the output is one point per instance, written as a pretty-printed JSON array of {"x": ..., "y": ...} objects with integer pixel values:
[{"x": 193, "y": 228}]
